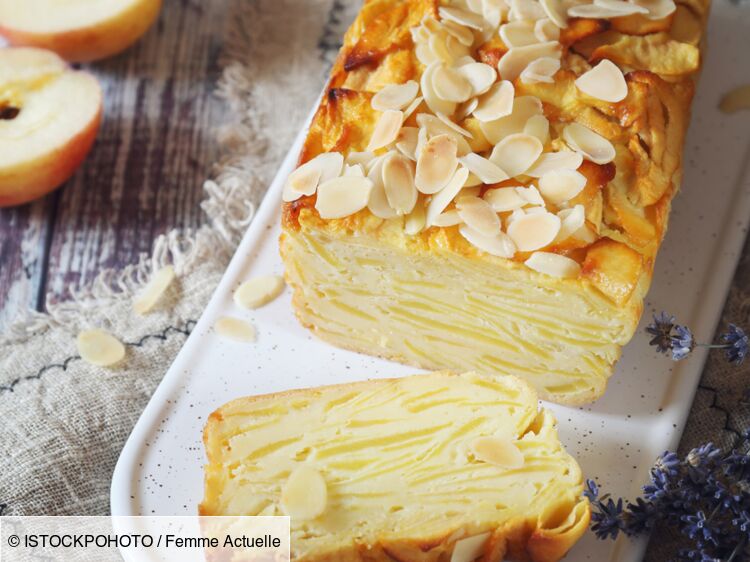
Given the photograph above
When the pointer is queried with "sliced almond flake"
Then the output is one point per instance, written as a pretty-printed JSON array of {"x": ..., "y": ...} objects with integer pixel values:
[
  {"x": 456, "y": 49},
  {"x": 516, "y": 153},
  {"x": 594, "y": 11},
  {"x": 488, "y": 172},
  {"x": 461, "y": 33},
  {"x": 572, "y": 220},
  {"x": 624, "y": 6},
  {"x": 540, "y": 70},
  {"x": 235, "y": 329},
  {"x": 554, "y": 265},
  {"x": 560, "y": 186},
  {"x": 466, "y": 109},
  {"x": 475, "y": 6},
  {"x": 525, "y": 10},
  {"x": 463, "y": 61},
  {"x": 433, "y": 101},
  {"x": 472, "y": 181},
  {"x": 305, "y": 179},
  {"x": 415, "y": 221},
  {"x": 533, "y": 231},
  {"x": 425, "y": 55},
  {"x": 344, "y": 196},
  {"x": 439, "y": 46},
  {"x": 546, "y": 30},
  {"x": 461, "y": 17},
  {"x": 154, "y": 290},
  {"x": 422, "y": 138},
  {"x": 499, "y": 245},
  {"x": 436, "y": 164},
  {"x": 362, "y": 158},
  {"x": 443, "y": 198},
  {"x": 523, "y": 108},
  {"x": 498, "y": 451},
  {"x": 478, "y": 215},
  {"x": 493, "y": 12},
  {"x": 99, "y": 348},
  {"x": 605, "y": 82},
  {"x": 454, "y": 126},
  {"x": 378, "y": 202},
  {"x": 395, "y": 96},
  {"x": 534, "y": 210},
  {"x": 496, "y": 103},
  {"x": 470, "y": 548},
  {"x": 398, "y": 179},
  {"x": 514, "y": 216},
  {"x": 446, "y": 219},
  {"x": 434, "y": 127},
  {"x": 406, "y": 142},
  {"x": 538, "y": 126},
  {"x": 372, "y": 163},
  {"x": 386, "y": 129},
  {"x": 431, "y": 24},
  {"x": 412, "y": 107},
  {"x": 304, "y": 495},
  {"x": 419, "y": 34},
  {"x": 518, "y": 33},
  {"x": 531, "y": 195},
  {"x": 553, "y": 161},
  {"x": 258, "y": 291},
  {"x": 472, "y": 191},
  {"x": 451, "y": 85},
  {"x": 503, "y": 199},
  {"x": 517, "y": 58},
  {"x": 657, "y": 9},
  {"x": 353, "y": 170},
  {"x": 481, "y": 76},
  {"x": 555, "y": 10},
  {"x": 591, "y": 145}
]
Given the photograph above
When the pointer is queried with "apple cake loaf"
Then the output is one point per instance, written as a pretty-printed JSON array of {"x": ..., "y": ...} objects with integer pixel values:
[
  {"x": 432, "y": 467},
  {"x": 486, "y": 183}
]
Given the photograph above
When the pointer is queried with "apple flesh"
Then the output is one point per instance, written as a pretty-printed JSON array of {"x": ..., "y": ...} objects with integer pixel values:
[
  {"x": 49, "y": 118},
  {"x": 77, "y": 30}
]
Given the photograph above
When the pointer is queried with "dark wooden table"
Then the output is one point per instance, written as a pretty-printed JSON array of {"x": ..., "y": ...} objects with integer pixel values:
[{"x": 144, "y": 175}]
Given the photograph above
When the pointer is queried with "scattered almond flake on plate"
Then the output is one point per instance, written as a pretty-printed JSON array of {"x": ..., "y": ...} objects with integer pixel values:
[
  {"x": 736, "y": 100},
  {"x": 499, "y": 245},
  {"x": 386, "y": 129},
  {"x": 258, "y": 291},
  {"x": 591, "y": 145},
  {"x": 443, "y": 198},
  {"x": 518, "y": 33},
  {"x": 154, "y": 290},
  {"x": 496, "y": 103},
  {"x": 395, "y": 96},
  {"x": 436, "y": 164},
  {"x": 554, "y": 265},
  {"x": 555, "y": 10},
  {"x": 305, "y": 179},
  {"x": 470, "y": 548},
  {"x": 344, "y": 196},
  {"x": 604, "y": 82},
  {"x": 549, "y": 161},
  {"x": 516, "y": 153},
  {"x": 561, "y": 185},
  {"x": 503, "y": 199},
  {"x": 488, "y": 172},
  {"x": 479, "y": 75},
  {"x": 497, "y": 451},
  {"x": 433, "y": 101},
  {"x": 451, "y": 85},
  {"x": 398, "y": 180},
  {"x": 538, "y": 126},
  {"x": 235, "y": 329},
  {"x": 546, "y": 30},
  {"x": 478, "y": 215},
  {"x": 517, "y": 58},
  {"x": 99, "y": 348},
  {"x": 541, "y": 70},
  {"x": 524, "y": 107},
  {"x": 461, "y": 17},
  {"x": 415, "y": 221},
  {"x": 534, "y": 231},
  {"x": 305, "y": 494}
]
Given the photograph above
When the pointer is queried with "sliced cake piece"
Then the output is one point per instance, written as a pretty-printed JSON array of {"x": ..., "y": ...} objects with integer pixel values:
[{"x": 432, "y": 467}]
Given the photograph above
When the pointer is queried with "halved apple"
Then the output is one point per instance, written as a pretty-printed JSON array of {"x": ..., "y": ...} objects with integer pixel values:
[
  {"x": 49, "y": 117},
  {"x": 77, "y": 30}
]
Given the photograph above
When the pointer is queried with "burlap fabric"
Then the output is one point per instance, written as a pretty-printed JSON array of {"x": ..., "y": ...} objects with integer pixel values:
[{"x": 65, "y": 422}]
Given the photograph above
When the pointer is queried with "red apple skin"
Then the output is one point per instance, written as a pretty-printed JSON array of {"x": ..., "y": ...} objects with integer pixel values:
[{"x": 95, "y": 42}]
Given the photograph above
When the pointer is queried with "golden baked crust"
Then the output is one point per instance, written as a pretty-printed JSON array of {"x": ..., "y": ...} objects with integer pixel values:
[
  {"x": 402, "y": 481},
  {"x": 626, "y": 201}
]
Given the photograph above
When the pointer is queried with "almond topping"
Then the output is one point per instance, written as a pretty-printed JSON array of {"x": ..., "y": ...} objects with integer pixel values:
[
  {"x": 461, "y": 17},
  {"x": 499, "y": 244},
  {"x": 624, "y": 6},
  {"x": 657, "y": 9},
  {"x": 344, "y": 196},
  {"x": 470, "y": 548},
  {"x": 518, "y": 33},
  {"x": 540, "y": 70},
  {"x": 453, "y": 126},
  {"x": 572, "y": 221},
  {"x": 448, "y": 218},
  {"x": 525, "y": 10},
  {"x": 154, "y": 290},
  {"x": 605, "y": 82},
  {"x": 466, "y": 109},
  {"x": 591, "y": 145},
  {"x": 415, "y": 221},
  {"x": 398, "y": 179},
  {"x": 451, "y": 85},
  {"x": 386, "y": 129},
  {"x": 361, "y": 158},
  {"x": 555, "y": 11},
  {"x": 534, "y": 231},
  {"x": 481, "y": 76},
  {"x": 258, "y": 291},
  {"x": 514, "y": 61},
  {"x": 406, "y": 142},
  {"x": 478, "y": 215},
  {"x": 395, "y": 96},
  {"x": 516, "y": 153},
  {"x": 523, "y": 108},
  {"x": 550, "y": 161},
  {"x": 443, "y": 198},
  {"x": 531, "y": 195},
  {"x": 378, "y": 202},
  {"x": 463, "y": 35},
  {"x": 537, "y": 126},
  {"x": 497, "y": 451},
  {"x": 305, "y": 179},
  {"x": 433, "y": 101},
  {"x": 561, "y": 185},
  {"x": 305, "y": 494},
  {"x": 412, "y": 107},
  {"x": 436, "y": 164},
  {"x": 99, "y": 348},
  {"x": 504, "y": 199},
  {"x": 553, "y": 264},
  {"x": 354, "y": 170},
  {"x": 235, "y": 329},
  {"x": 594, "y": 11},
  {"x": 488, "y": 172},
  {"x": 496, "y": 103}
]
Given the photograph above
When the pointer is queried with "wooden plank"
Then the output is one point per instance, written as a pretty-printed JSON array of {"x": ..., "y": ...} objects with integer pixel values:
[{"x": 155, "y": 148}]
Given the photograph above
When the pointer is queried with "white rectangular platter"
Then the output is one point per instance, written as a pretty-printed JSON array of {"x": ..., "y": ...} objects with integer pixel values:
[{"x": 615, "y": 440}]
